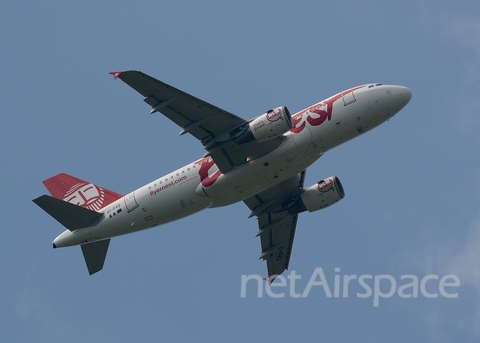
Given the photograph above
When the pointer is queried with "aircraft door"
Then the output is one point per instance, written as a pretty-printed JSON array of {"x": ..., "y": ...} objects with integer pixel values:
[
  {"x": 130, "y": 202},
  {"x": 348, "y": 97}
]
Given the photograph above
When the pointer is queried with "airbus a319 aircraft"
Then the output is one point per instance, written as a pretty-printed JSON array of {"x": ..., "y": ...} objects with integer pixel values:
[{"x": 261, "y": 162}]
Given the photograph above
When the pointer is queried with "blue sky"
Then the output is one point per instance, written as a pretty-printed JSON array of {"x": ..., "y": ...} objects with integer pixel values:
[{"x": 412, "y": 185}]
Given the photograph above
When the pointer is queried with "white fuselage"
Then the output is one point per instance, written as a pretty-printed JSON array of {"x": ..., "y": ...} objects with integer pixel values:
[{"x": 201, "y": 185}]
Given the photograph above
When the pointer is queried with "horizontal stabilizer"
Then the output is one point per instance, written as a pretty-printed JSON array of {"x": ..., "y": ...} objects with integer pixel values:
[
  {"x": 94, "y": 254},
  {"x": 69, "y": 215}
]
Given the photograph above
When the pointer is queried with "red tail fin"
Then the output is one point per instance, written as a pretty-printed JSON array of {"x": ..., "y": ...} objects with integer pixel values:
[{"x": 82, "y": 193}]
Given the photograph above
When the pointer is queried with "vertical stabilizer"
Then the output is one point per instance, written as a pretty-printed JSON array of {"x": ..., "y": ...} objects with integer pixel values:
[{"x": 79, "y": 192}]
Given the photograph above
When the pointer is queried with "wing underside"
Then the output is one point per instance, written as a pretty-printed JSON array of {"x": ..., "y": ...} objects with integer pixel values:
[
  {"x": 217, "y": 129},
  {"x": 276, "y": 226}
]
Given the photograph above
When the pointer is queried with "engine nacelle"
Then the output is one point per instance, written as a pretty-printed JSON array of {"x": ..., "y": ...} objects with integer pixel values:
[
  {"x": 319, "y": 196},
  {"x": 323, "y": 194},
  {"x": 270, "y": 125}
]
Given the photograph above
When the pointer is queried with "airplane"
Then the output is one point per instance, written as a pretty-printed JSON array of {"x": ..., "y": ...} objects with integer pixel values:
[{"x": 261, "y": 162}]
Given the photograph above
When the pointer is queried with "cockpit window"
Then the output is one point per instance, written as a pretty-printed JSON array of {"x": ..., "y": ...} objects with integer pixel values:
[{"x": 379, "y": 84}]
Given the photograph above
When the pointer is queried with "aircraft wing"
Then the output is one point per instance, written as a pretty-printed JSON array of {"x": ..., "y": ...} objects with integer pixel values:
[
  {"x": 276, "y": 225},
  {"x": 217, "y": 129}
]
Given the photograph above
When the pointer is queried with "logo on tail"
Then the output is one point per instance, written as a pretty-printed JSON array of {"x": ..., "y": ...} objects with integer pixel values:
[
  {"x": 86, "y": 195},
  {"x": 79, "y": 192}
]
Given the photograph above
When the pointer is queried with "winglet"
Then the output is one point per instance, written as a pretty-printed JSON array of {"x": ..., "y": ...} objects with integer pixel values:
[{"x": 115, "y": 74}]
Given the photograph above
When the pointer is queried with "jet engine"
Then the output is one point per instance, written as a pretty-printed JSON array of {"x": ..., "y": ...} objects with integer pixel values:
[
  {"x": 324, "y": 193},
  {"x": 269, "y": 125}
]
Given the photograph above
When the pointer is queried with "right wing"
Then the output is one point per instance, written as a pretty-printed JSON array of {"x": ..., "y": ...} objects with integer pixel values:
[
  {"x": 216, "y": 129},
  {"x": 276, "y": 226}
]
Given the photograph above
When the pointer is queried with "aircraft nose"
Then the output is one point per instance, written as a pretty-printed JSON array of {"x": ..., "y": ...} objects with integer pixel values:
[{"x": 406, "y": 94}]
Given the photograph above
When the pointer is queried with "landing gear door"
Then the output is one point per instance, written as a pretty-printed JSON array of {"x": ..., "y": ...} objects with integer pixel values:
[{"x": 130, "y": 202}]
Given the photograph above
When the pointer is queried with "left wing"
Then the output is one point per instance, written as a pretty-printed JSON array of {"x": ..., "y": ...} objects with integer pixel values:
[
  {"x": 276, "y": 225},
  {"x": 217, "y": 129}
]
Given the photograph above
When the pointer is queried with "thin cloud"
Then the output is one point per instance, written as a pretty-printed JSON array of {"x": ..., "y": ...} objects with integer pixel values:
[
  {"x": 466, "y": 266},
  {"x": 461, "y": 259},
  {"x": 465, "y": 32}
]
